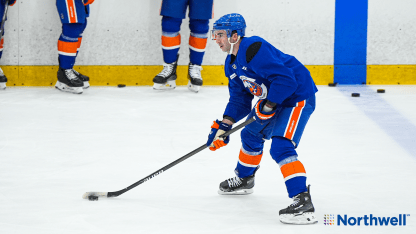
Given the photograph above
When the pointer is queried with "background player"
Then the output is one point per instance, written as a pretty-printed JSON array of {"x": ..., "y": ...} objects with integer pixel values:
[
  {"x": 3, "y": 78},
  {"x": 286, "y": 95},
  {"x": 173, "y": 11},
  {"x": 73, "y": 15}
]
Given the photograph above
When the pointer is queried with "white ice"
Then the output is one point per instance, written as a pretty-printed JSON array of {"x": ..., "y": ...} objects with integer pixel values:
[{"x": 359, "y": 154}]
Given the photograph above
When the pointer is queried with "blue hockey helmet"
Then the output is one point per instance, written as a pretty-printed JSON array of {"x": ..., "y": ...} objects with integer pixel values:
[{"x": 229, "y": 23}]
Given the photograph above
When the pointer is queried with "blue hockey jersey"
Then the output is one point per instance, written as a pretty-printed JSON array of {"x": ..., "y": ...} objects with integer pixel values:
[{"x": 261, "y": 70}]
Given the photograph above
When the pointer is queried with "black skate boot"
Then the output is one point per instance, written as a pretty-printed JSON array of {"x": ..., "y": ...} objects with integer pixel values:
[
  {"x": 301, "y": 211},
  {"x": 195, "y": 78},
  {"x": 85, "y": 79},
  {"x": 68, "y": 81},
  {"x": 3, "y": 80},
  {"x": 237, "y": 185},
  {"x": 166, "y": 79}
]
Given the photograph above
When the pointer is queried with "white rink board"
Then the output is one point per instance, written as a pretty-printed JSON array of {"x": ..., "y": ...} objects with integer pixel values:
[{"x": 128, "y": 32}]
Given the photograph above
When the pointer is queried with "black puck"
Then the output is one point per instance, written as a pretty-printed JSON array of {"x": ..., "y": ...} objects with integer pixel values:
[
  {"x": 332, "y": 84},
  {"x": 93, "y": 198},
  {"x": 121, "y": 85},
  {"x": 381, "y": 91},
  {"x": 355, "y": 94}
]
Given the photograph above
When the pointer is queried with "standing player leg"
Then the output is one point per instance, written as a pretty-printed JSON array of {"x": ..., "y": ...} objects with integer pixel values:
[
  {"x": 301, "y": 211},
  {"x": 82, "y": 77},
  {"x": 197, "y": 45},
  {"x": 3, "y": 78},
  {"x": 200, "y": 12},
  {"x": 248, "y": 163},
  {"x": 171, "y": 41},
  {"x": 73, "y": 17}
]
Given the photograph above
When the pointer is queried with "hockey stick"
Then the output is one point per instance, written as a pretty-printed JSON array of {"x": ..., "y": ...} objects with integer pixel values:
[
  {"x": 95, "y": 195},
  {"x": 6, "y": 7}
]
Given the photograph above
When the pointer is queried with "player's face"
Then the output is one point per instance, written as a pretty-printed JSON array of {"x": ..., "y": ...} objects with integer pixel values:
[{"x": 221, "y": 39}]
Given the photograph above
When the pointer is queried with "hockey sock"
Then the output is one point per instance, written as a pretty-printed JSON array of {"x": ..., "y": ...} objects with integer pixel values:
[
  {"x": 250, "y": 154},
  {"x": 198, "y": 40},
  {"x": 170, "y": 46},
  {"x": 248, "y": 161},
  {"x": 283, "y": 152},
  {"x": 171, "y": 38},
  {"x": 1, "y": 46},
  {"x": 69, "y": 43}
]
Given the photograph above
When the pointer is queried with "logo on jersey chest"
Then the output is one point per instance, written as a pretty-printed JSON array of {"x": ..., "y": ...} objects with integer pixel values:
[{"x": 257, "y": 90}]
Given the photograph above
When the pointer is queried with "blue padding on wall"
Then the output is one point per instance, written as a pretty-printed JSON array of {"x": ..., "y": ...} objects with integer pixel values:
[
  {"x": 350, "y": 74},
  {"x": 350, "y": 49}
]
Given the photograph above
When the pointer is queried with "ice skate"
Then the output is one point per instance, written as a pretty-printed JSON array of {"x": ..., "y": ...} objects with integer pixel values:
[
  {"x": 166, "y": 79},
  {"x": 68, "y": 81},
  {"x": 3, "y": 80},
  {"x": 301, "y": 211},
  {"x": 237, "y": 185},
  {"x": 195, "y": 78},
  {"x": 85, "y": 79}
]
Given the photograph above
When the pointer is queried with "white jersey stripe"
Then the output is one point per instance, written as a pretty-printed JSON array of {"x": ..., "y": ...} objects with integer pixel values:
[{"x": 295, "y": 175}]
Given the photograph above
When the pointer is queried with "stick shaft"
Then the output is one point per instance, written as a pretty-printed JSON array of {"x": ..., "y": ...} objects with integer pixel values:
[{"x": 165, "y": 168}]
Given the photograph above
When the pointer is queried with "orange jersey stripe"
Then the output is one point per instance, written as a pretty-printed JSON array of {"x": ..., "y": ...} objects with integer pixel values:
[
  {"x": 68, "y": 47},
  {"x": 171, "y": 41},
  {"x": 294, "y": 119},
  {"x": 198, "y": 43},
  {"x": 71, "y": 11},
  {"x": 250, "y": 159},
  {"x": 292, "y": 168}
]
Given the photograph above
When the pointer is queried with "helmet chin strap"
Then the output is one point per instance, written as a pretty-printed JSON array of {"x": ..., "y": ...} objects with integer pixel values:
[{"x": 232, "y": 44}]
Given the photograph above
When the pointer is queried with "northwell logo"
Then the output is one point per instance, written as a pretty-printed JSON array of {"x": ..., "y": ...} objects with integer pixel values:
[{"x": 329, "y": 219}]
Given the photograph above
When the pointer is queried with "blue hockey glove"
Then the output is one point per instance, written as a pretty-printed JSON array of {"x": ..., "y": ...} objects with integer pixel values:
[
  {"x": 217, "y": 129},
  {"x": 263, "y": 113},
  {"x": 87, "y": 2}
]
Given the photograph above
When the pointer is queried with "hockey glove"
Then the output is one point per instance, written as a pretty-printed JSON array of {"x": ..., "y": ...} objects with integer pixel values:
[
  {"x": 87, "y": 2},
  {"x": 11, "y": 2},
  {"x": 264, "y": 111},
  {"x": 217, "y": 129}
]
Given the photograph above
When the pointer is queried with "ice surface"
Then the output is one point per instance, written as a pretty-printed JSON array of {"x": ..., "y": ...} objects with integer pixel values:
[{"x": 359, "y": 154}]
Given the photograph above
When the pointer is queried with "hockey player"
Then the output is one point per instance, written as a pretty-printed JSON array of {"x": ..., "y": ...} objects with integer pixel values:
[
  {"x": 3, "y": 78},
  {"x": 73, "y": 15},
  {"x": 173, "y": 11},
  {"x": 286, "y": 94}
]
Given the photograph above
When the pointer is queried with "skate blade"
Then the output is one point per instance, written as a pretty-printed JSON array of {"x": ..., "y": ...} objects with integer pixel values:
[
  {"x": 65, "y": 88},
  {"x": 239, "y": 192},
  {"x": 86, "y": 85},
  {"x": 193, "y": 88},
  {"x": 305, "y": 218},
  {"x": 2, "y": 85},
  {"x": 169, "y": 85}
]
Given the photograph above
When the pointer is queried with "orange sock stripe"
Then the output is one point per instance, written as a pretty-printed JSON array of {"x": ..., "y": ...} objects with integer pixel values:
[
  {"x": 292, "y": 168},
  {"x": 67, "y": 47},
  {"x": 198, "y": 43},
  {"x": 79, "y": 42},
  {"x": 171, "y": 41},
  {"x": 1, "y": 43},
  {"x": 250, "y": 159},
  {"x": 294, "y": 119}
]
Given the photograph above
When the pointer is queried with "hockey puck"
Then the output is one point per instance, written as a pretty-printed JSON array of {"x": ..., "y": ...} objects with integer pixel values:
[
  {"x": 332, "y": 84},
  {"x": 93, "y": 198},
  {"x": 355, "y": 94},
  {"x": 381, "y": 91},
  {"x": 121, "y": 85}
]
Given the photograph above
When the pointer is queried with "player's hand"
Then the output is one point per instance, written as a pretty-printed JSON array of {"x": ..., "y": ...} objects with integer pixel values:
[
  {"x": 214, "y": 140},
  {"x": 263, "y": 113},
  {"x": 11, "y": 2},
  {"x": 87, "y": 2}
]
